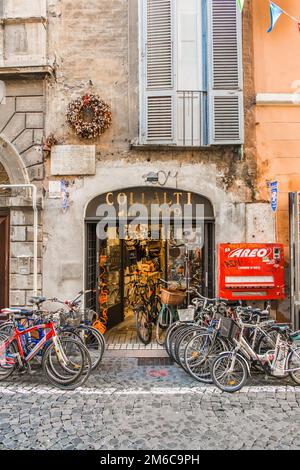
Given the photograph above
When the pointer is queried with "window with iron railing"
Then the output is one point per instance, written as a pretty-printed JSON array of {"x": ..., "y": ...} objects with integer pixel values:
[{"x": 190, "y": 73}]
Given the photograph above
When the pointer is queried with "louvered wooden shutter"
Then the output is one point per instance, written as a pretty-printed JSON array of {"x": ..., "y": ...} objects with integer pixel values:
[
  {"x": 158, "y": 81},
  {"x": 226, "y": 73}
]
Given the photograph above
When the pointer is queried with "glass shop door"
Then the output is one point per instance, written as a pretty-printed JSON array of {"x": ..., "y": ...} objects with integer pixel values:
[{"x": 110, "y": 281}]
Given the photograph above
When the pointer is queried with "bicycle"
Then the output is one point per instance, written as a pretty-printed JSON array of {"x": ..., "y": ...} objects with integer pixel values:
[
  {"x": 65, "y": 361},
  {"x": 146, "y": 314},
  {"x": 230, "y": 370},
  {"x": 79, "y": 324},
  {"x": 171, "y": 300},
  {"x": 202, "y": 346}
]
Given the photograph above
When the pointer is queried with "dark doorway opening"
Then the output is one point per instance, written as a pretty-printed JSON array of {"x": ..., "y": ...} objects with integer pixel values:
[{"x": 112, "y": 264}]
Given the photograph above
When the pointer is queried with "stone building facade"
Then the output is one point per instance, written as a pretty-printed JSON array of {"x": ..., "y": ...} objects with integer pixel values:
[{"x": 65, "y": 50}]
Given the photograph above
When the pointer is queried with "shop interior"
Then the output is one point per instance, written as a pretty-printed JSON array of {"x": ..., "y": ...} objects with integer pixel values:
[{"x": 136, "y": 264}]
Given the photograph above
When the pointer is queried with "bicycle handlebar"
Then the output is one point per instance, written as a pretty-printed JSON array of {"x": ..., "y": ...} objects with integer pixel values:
[
  {"x": 70, "y": 302},
  {"x": 193, "y": 291}
]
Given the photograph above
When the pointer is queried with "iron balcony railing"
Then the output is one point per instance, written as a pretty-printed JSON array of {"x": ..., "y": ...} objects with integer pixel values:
[{"x": 191, "y": 118}]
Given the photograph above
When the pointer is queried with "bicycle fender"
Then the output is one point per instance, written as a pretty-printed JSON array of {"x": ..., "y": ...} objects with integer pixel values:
[{"x": 241, "y": 358}]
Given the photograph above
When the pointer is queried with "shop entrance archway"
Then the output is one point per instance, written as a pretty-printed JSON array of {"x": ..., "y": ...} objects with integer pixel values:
[{"x": 111, "y": 265}]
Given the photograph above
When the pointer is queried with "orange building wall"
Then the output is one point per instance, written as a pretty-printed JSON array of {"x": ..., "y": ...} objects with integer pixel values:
[{"x": 277, "y": 70}]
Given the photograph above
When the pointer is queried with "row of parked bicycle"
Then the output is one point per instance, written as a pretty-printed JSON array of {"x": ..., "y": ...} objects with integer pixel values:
[
  {"x": 62, "y": 341},
  {"x": 223, "y": 345}
]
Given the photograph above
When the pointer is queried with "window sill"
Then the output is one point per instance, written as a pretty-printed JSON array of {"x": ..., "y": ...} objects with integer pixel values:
[
  {"x": 23, "y": 19},
  {"x": 167, "y": 147},
  {"x": 25, "y": 71}
]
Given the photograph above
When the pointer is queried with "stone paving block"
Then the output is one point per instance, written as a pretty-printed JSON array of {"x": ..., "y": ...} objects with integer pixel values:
[{"x": 220, "y": 421}]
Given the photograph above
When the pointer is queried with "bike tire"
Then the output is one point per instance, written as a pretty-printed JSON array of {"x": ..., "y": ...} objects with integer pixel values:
[
  {"x": 143, "y": 325},
  {"x": 266, "y": 342},
  {"x": 182, "y": 327},
  {"x": 94, "y": 342},
  {"x": 171, "y": 330},
  {"x": 295, "y": 375},
  {"x": 233, "y": 381},
  {"x": 198, "y": 356},
  {"x": 72, "y": 380},
  {"x": 181, "y": 342},
  {"x": 5, "y": 370}
]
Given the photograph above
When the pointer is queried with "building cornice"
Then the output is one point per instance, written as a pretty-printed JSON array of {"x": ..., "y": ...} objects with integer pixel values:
[{"x": 278, "y": 99}]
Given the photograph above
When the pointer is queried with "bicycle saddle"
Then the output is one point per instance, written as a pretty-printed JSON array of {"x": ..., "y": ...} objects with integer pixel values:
[
  {"x": 17, "y": 311},
  {"x": 280, "y": 328},
  {"x": 295, "y": 336},
  {"x": 37, "y": 300}
]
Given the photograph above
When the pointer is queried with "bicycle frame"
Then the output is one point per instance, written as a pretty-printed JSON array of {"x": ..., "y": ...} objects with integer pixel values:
[
  {"x": 270, "y": 357},
  {"x": 49, "y": 335}
]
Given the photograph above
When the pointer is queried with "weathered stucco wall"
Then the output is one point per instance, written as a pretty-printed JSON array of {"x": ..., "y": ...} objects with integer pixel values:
[
  {"x": 93, "y": 47},
  {"x": 277, "y": 70},
  {"x": 64, "y": 232},
  {"x": 102, "y": 56}
]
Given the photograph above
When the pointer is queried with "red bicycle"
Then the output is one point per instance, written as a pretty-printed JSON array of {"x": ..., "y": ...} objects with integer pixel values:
[{"x": 65, "y": 361}]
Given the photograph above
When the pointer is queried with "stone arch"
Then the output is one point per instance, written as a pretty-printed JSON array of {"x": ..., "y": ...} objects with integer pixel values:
[{"x": 12, "y": 162}]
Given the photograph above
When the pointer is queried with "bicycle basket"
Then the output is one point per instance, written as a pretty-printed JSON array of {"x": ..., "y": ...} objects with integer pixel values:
[
  {"x": 89, "y": 315},
  {"x": 186, "y": 315},
  {"x": 73, "y": 319},
  {"x": 172, "y": 297},
  {"x": 228, "y": 328}
]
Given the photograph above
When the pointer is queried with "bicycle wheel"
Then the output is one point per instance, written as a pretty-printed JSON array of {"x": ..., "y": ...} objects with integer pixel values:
[
  {"x": 182, "y": 327},
  {"x": 143, "y": 325},
  {"x": 164, "y": 320},
  {"x": 171, "y": 330},
  {"x": 199, "y": 354},
  {"x": 7, "y": 357},
  {"x": 229, "y": 372},
  {"x": 94, "y": 342},
  {"x": 182, "y": 341},
  {"x": 7, "y": 328},
  {"x": 67, "y": 365},
  {"x": 266, "y": 342},
  {"x": 294, "y": 364}
]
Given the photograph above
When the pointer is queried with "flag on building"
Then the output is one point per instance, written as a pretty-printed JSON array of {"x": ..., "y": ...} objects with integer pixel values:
[
  {"x": 240, "y": 4},
  {"x": 275, "y": 13}
]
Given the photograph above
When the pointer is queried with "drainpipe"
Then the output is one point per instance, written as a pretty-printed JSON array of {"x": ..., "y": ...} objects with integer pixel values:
[{"x": 35, "y": 229}]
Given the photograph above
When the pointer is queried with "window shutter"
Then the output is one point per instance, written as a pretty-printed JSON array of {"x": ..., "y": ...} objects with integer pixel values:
[
  {"x": 158, "y": 80},
  {"x": 225, "y": 73}
]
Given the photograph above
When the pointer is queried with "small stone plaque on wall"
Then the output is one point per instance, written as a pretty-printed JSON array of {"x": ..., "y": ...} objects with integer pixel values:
[{"x": 69, "y": 160}]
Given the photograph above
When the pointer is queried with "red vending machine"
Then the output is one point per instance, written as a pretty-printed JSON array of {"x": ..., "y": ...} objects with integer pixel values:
[{"x": 251, "y": 271}]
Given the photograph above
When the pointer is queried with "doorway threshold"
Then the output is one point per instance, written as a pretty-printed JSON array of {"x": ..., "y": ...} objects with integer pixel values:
[{"x": 137, "y": 351}]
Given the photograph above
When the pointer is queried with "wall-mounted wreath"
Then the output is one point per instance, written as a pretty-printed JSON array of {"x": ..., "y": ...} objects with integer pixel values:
[{"x": 89, "y": 116}]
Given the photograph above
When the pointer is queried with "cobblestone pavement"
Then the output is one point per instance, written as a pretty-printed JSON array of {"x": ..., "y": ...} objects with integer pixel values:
[{"x": 127, "y": 406}]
